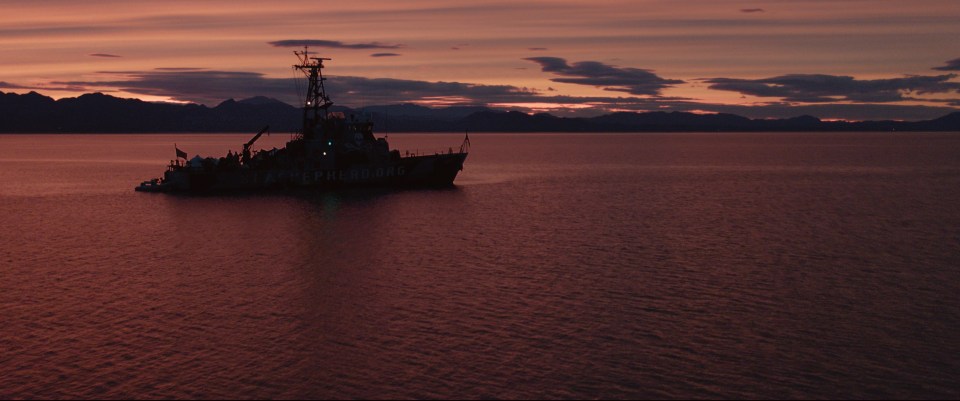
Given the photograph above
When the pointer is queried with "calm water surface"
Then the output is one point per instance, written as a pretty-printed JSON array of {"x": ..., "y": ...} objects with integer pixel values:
[{"x": 561, "y": 266}]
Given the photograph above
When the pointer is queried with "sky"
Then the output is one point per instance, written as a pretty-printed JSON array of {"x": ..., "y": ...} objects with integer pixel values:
[{"x": 833, "y": 59}]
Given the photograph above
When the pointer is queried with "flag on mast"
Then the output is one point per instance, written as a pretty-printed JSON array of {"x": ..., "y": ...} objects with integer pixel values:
[
  {"x": 180, "y": 153},
  {"x": 465, "y": 146}
]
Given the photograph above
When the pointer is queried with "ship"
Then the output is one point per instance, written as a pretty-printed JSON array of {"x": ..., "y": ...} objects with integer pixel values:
[{"x": 332, "y": 150}]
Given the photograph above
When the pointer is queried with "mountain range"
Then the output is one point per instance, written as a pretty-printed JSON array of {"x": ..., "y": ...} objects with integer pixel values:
[{"x": 97, "y": 112}]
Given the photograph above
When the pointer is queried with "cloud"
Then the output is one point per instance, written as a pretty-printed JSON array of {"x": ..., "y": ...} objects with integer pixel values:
[
  {"x": 200, "y": 86},
  {"x": 752, "y": 10},
  {"x": 631, "y": 80},
  {"x": 178, "y": 69},
  {"x": 103, "y": 55},
  {"x": 787, "y": 110},
  {"x": 48, "y": 87},
  {"x": 821, "y": 88},
  {"x": 537, "y": 49},
  {"x": 7, "y": 85},
  {"x": 212, "y": 87},
  {"x": 384, "y": 55},
  {"x": 952, "y": 65},
  {"x": 331, "y": 44},
  {"x": 355, "y": 90}
]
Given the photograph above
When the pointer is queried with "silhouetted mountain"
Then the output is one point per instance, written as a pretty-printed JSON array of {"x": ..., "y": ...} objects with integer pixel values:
[
  {"x": 417, "y": 111},
  {"x": 413, "y": 117},
  {"x": 948, "y": 122},
  {"x": 33, "y": 112},
  {"x": 97, "y": 112},
  {"x": 260, "y": 100},
  {"x": 24, "y": 113},
  {"x": 672, "y": 121}
]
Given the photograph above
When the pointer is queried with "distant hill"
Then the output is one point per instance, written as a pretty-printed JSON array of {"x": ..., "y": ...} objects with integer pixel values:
[
  {"x": 97, "y": 112},
  {"x": 33, "y": 112}
]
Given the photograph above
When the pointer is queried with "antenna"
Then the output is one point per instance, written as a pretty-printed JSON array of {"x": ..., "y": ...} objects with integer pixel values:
[{"x": 316, "y": 99}]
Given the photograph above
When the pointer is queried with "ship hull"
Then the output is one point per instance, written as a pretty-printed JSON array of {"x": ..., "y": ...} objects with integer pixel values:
[{"x": 416, "y": 171}]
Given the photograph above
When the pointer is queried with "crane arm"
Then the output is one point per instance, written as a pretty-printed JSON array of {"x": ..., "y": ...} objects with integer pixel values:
[{"x": 246, "y": 146}]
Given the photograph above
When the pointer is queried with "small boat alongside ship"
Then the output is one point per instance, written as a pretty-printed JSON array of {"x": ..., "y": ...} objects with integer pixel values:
[{"x": 332, "y": 150}]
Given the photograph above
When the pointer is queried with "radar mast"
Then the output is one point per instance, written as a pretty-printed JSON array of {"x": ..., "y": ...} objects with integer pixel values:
[{"x": 317, "y": 102}]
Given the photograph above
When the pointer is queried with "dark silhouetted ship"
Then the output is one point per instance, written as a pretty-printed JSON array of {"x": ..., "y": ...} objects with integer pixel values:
[{"x": 332, "y": 150}]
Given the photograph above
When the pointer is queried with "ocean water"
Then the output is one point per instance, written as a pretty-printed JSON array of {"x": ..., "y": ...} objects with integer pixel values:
[{"x": 801, "y": 265}]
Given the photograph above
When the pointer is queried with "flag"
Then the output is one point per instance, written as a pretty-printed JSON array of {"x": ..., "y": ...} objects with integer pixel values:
[
  {"x": 465, "y": 146},
  {"x": 180, "y": 153}
]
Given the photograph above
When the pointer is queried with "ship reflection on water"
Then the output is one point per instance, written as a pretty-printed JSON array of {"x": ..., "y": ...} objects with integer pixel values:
[{"x": 559, "y": 266}]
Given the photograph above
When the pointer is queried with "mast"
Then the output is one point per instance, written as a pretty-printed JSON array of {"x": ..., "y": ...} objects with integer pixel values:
[{"x": 316, "y": 100}]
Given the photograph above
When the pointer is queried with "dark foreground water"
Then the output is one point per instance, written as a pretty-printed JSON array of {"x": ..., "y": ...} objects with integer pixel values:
[{"x": 561, "y": 266}]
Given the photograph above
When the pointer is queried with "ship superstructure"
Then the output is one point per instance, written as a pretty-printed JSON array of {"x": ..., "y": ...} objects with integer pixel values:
[{"x": 331, "y": 150}]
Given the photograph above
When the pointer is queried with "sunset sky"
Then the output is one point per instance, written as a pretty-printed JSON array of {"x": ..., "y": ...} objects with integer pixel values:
[{"x": 843, "y": 59}]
